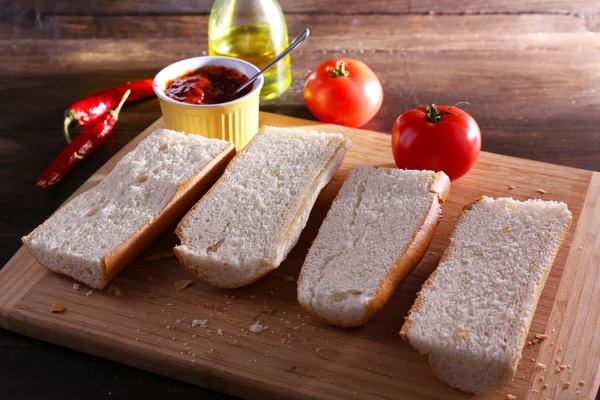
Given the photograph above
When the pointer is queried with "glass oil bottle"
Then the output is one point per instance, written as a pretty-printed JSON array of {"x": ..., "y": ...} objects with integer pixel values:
[{"x": 255, "y": 31}]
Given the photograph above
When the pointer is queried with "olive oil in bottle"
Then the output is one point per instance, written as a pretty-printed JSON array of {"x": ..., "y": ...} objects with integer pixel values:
[{"x": 255, "y": 31}]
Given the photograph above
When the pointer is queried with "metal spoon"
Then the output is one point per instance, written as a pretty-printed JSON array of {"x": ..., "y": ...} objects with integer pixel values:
[{"x": 293, "y": 44}]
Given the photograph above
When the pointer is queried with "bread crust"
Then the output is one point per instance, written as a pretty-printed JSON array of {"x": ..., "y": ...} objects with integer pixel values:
[
  {"x": 404, "y": 332},
  {"x": 178, "y": 229},
  {"x": 268, "y": 266},
  {"x": 406, "y": 262},
  {"x": 333, "y": 163},
  {"x": 440, "y": 186},
  {"x": 408, "y": 323},
  {"x": 187, "y": 193},
  {"x": 220, "y": 285},
  {"x": 201, "y": 201}
]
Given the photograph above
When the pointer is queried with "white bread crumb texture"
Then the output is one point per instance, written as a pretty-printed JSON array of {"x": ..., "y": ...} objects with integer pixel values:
[
  {"x": 369, "y": 226},
  {"x": 484, "y": 290},
  {"x": 76, "y": 238},
  {"x": 238, "y": 227}
]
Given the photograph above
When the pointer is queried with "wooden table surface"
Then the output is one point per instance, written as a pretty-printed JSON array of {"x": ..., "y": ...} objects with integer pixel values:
[{"x": 530, "y": 70}]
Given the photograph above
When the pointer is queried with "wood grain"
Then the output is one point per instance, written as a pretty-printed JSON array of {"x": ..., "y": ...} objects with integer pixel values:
[
  {"x": 58, "y": 26},
  {"x": 533, "y": 96},
  {"x": 575, "y": 334},
  {"x": 299, "y": 357},
  {"x": 308, "y": 6}
]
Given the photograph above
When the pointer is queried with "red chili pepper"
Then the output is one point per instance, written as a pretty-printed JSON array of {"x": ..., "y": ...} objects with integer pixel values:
[
  {"x": 81, "y": 146},
  {"x": 89, "y": 109}
]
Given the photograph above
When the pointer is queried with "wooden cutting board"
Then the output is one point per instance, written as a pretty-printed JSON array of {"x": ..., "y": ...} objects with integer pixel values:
[{"x": 149, "y": 325}]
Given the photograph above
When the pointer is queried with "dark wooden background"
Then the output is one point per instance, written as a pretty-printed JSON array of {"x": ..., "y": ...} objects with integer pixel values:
[{"x": 529, "y": 68}]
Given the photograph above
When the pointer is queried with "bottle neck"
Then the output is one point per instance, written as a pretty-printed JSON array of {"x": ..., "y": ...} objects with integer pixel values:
[{"x": 245, "y": 12}]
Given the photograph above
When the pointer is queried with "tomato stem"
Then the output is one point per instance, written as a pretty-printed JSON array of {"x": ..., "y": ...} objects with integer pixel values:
[
  {"x": 434, "y": 115},
  {"x": 339, "y": 70}
]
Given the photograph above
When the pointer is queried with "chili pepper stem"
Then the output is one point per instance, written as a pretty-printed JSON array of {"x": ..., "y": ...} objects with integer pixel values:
[
  {"x": 116, "y": 111},
  {"x": 70, "y": 116}
]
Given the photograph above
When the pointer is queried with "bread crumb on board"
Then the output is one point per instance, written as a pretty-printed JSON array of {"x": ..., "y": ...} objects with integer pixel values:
[
  {"x": 288, "y": 278},
  {"x": 75, "y": 286},
  {"x": 542, "y": 366},
  {"x": 89, "y": 293},
  {"x": 566, "y": 385},
  {"x": 581, "y": 383},
  {"x": 57, "y": 308},
  {"x": 199, "y": 322},
  {"x": 511, "y": 397},
  {"x": 541, "y": 191},
  {"x": 256, "y": 327},
  {"x": 544, "y": 386},
  {"x": 182, "y": 284},
  {"x": 511, "y": 187},
  {"x": 284, "y": 340},
  {"x": 539, "y": 337},
  {"x": 114, "y": 289}
]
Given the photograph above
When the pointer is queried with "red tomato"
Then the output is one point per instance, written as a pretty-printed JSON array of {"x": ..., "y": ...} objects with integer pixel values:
[
  {"x": 344, "y": 92},
  {"x": 436, "y": 138}
]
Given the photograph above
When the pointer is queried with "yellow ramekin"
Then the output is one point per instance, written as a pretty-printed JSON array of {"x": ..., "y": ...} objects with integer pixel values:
[{"x": 235, "y": 121}]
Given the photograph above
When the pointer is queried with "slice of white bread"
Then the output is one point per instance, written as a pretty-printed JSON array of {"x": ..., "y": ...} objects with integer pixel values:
[
  {"x": 473, "y": 313},
  {"x": 374, "y": 235},
  {"x": 252, "y": 217},
  {"x": 96, "y": 234}
]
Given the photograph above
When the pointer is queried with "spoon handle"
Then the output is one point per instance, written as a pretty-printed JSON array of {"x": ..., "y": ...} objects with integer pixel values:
[{"x": 293, "y": 44}]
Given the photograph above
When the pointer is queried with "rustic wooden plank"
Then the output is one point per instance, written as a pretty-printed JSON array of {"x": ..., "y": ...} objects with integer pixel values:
[
  {"x": 425, "y": 6},
  {"x": 574, "y": 330},
  {"x": 365, "y": 362},
  {"x": 97, "y": 7},
  {"x": 385, "y": 27},
  {"x": 540, "y": 52},
  {"x": 31, "y": 113},
  {"x": 16, "y": 283},
  {"x": 531, "y": 97}
]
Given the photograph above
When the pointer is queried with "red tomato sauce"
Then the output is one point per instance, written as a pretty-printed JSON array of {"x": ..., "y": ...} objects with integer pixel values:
[{"x": 211, "y": 84}]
